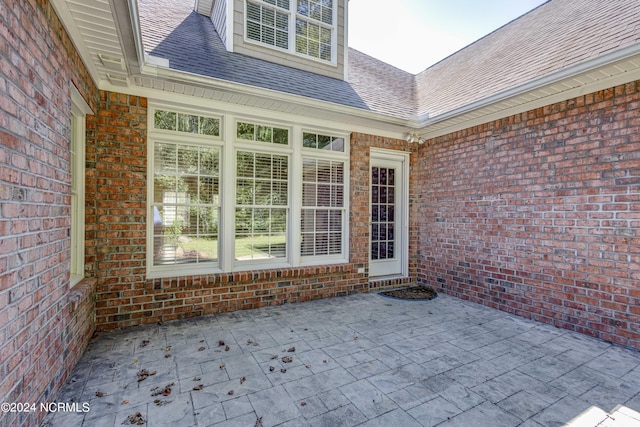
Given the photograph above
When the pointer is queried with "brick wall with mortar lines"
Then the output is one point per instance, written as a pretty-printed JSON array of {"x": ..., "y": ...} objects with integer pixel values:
[
  {"x": 116, "y": 235},
  {"x": 39, "y": 313},
  {"x": 538, "y": 214}
]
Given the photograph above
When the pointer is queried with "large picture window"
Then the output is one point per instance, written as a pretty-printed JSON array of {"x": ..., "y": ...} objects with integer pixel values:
[
  {"x": 267, "y": 195},
  {"x": 186, "y": 192},
  {"x": 262, "y": 186},
  {"x": 306, "y": 27}
]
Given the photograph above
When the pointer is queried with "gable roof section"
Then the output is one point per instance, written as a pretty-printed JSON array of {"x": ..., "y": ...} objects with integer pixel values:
[
  {"x": 552, "y": 37},
  {"x": 172, "y": 30}
]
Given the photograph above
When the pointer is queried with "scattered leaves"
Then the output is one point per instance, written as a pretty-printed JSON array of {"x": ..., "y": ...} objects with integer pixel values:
[
  {"x": 258, "y": 422},
  {"x": 135, "y": 419},
  {"x": 134, "y": 362},
  {"x": 222, "y": 365},
  {"x": 227, "y": 348},
  {"x": 99, "y": 394},
  {"x": 252, "y": 342},
  {"x": 167, "y": 348},
  {"x": 287, "y": 359},
  {"x": 201, "y": 349},
  {"x": 144, "y": 374},
  {"x": 124, "y": 402},
  {"x": 166, "y": 391},
  {"x": 159, "y": 402},
  {"x": 201, "y": 340},
  {"x": 230, "y": 392},
  {"x": 242, "y": 380},
  {"x": 303, "y": 403},
  {"x": 275, "y": 356},
  {"x": 196, "y": 378},
  {"x": 307, "y": 366},
  {"x": 271, "y": 369},
  {"x": 199, "y": 387},
  {"x": 166, "y": 356},
  {"x": 145, "y": 343},
  {"x": 220, "y": 343},
  {"x": 291, "y": 350},
  {"x": 324, "y": 361},
  {"x": 283, "y": 370},
  {"x": 356, "y": 339}
]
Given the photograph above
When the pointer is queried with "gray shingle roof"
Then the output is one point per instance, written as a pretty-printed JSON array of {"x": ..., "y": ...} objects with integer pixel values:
[
  {"x": 557, "y": 34},
  {"x": 551, "y": 37}
]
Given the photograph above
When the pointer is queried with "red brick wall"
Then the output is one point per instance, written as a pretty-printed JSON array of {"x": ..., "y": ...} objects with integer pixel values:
[
  {"x": 116, "y": 235},
  {"x": 538, "y": 214},
  {"x": 39, "y": 316}
]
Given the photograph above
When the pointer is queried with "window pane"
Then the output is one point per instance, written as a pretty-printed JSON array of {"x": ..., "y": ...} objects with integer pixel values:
[
  {"x": 261, "y": 205},
  {"x": 322, "y": 193},
  {"x": 185, "y": 203}
]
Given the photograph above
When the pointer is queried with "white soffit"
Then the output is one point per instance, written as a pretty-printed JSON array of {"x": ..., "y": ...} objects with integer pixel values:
[{"x": 91, "y": 26}]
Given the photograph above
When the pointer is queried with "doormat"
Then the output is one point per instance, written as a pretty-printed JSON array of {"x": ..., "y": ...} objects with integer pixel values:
[{"x": 414, "y": 293}]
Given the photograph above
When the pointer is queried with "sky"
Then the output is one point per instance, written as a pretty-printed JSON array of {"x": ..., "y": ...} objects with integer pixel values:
[{"x": 415, "y": 34}]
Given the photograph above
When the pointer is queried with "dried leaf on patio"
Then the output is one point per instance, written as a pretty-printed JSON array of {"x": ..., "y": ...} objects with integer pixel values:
[
  {"x": 258, "y": 422},
  {"x": 227, "y": 348},
  {"x": 159, "y": 402},
  {"x": 220, "y": 343},
  {"x": 167, "y": 348},
  {"x": 275, "y": 356},
  {"x": 243, "y": 379},
  {"x": 303, "y": 403},
  {"x": 99, "y": 394},
  {"x": 199, "y": 387},
  {"x": 291, "y": 350},
  {"x": 287, "y": 359},
  {"x": 307, "y": 366},
  {"x": 145, "y": 343},
  {"x": 201, "y": 349},
  {"x": 166, "y": 356},
  {"x": 356, "y": 339},
  {"x": 230, "y": 392},
  {"x": 324, "y": 361},
  {"x": 222, "y": 365},
  {"x": 283, "y": 370},
  {"x": 201, "y": 341},
  {"x": 271, "y": 369},
  {"x": 124, "y": 402},
  {"x": 166, "y": 391},
  {"x": 135, "y": 419},
  {"x": 196, "y": 378}
]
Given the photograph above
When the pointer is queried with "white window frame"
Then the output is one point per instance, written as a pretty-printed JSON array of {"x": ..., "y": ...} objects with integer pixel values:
[
  {"x": 229, "y": 145},
  {"x": 293, "y": 15},
  {"x": 77, "y": 143}
]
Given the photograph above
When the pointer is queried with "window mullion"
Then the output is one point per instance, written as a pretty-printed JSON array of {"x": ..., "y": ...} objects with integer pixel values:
[
  {"x": 295, "y": 195},
  {"x": 228, "y": 197}
]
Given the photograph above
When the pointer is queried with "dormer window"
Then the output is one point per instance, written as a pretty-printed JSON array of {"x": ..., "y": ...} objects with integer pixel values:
[{"x": 304, "y": 27}]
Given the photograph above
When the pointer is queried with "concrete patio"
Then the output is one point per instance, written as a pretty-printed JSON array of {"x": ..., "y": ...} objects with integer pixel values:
[{"x": 358, "y": 360}]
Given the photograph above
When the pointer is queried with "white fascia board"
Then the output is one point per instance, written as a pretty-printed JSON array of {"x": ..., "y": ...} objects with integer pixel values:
[
  {"x": 247, "y": 90},
  {"x": 553, "y": 78},
  {"x": 344, "y": 123}
]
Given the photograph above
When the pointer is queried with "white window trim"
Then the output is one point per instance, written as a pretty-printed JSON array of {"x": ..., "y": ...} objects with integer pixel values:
[
  {"x": 293, "y": 15},
  {"x": 229, "y": 145},
  {"x": 79, "y": 111}
]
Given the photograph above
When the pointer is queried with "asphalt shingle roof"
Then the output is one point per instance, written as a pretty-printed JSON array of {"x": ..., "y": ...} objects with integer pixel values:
[{"x": 558, "y": 34}]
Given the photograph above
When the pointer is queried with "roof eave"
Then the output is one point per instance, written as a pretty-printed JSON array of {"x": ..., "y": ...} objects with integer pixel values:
[{"x": 573, "y": 81}]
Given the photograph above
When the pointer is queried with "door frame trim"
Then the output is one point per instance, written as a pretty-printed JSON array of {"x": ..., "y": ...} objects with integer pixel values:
[{"x": 402, "y": 157}]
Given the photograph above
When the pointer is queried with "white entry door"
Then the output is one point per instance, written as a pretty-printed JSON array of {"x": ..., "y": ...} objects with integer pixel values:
[{"x": 388, "y": 247}]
